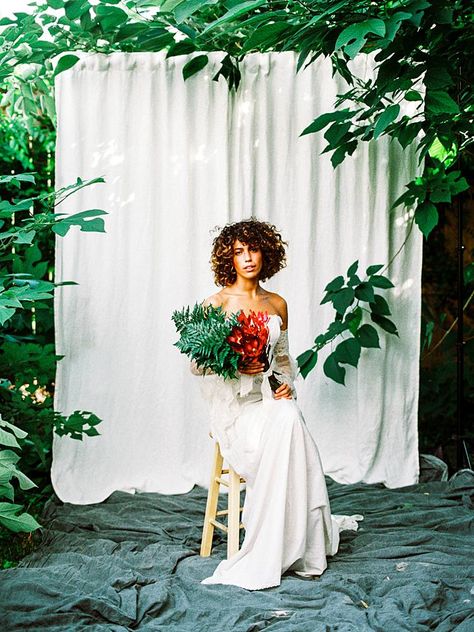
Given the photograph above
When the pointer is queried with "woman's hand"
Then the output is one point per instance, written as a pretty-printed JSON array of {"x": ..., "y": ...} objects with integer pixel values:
[
  {"x": 283, "y": 392},
  {"x": 251, "y": 367}
]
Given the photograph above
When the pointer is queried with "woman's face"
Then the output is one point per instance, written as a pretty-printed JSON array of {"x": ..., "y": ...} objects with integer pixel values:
[{"x": 248, "y": 260}]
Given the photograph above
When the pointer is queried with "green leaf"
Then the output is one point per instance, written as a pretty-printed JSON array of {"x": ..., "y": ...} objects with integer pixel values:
[
  {"x": 378, "y": 280},
  {"x": 438, "y": 74},
  {"x": 335, "y": 284},
  {"x": 439, "y": 152},
  {"x": 129, "y": 31},
  {"x": 337, "y": 327},
  {"x": 5, "y": 314},
  {"x": 8, "y": 298},
  {"x": 64, "y": 63},
  {"x": 353, "y": 319},
  {"x": 342, "y": 299},
  {"x": 413, "y": 95},
  {"x": 194, "y": 65},
  {"x": 267, "y": 35},
  {"x": 364, "y": 292},
  {"x": 457, "y": 183},
  {"x": 417, "y": 10},
  {"x": 18, "y": 432},
  {"x": 385, "y": 323},
  {"x": 23, "y": 480},
  {"x": 93, "y": 225},
  {"x": 154, "y": 38},
  {"x": 385, "y": 119},
  {"x": 354, "y": 37},
  {"x": 307, "y": 361},
  {"x": 21, "y": 522},
  {"x": 394, "y": 22},
  {"x": 24, "y": 236},
  {"x": 86, "y": 220},
  {"x": 368, "y": 337},
  {"x": 469, "y": 273},
  {"x": 17, "y": 178},
  {"x": 348, "y": 352},
  {"x": 332, "y": 369},
  {"x": 110, "y": 17},
  {"x": 184, "y": 47},
  {"x": 8, "y": 439},
  {"x": 239, "y": 9},
  {"x": 439, "y": 102},
  {"x": 75, "y": 8},
  {"x": 352, "y": 269},
  {"x": 380, "y": 306},
  {"x": 7, "y": 491},
  {"x": 322, "y": 121},
  {"x": 426, "y": 217},
  {"x": 169, "y": 5},
  {"x": 61, "y": 228},
  {"x": 336, "y": 132},
  {"x": 407, "y": 134},
  {"x": 184, "y": 10},
  {"x": 353, "y": 280},
  {"x": 373, "y": 269},
  {"x": 340, "y": 153}
]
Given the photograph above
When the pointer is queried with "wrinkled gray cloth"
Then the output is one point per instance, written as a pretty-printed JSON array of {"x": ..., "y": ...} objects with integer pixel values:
[{"x": 132, "y": 563}]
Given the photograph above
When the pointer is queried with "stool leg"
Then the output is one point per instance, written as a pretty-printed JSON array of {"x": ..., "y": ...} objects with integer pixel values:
[
  {"x": 233, "y": 517},
  {"x": 211, "y": 505}
]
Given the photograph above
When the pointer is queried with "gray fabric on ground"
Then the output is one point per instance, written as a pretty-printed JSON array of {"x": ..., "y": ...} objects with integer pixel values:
[{"x": 132, "y": 563}]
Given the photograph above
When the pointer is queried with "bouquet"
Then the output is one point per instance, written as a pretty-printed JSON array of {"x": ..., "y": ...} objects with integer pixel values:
[
  {"x": 217, "y": 341},
  {"x": 249, "y": 338}
]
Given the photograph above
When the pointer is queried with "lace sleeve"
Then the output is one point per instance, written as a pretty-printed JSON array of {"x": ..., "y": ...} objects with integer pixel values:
[
  {"x": 283, "y": 364},
  {"x": 196, "y": 370}
]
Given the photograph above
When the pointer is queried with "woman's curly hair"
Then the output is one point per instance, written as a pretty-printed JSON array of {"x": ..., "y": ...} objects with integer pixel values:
[{"x": 251, "y": 232}]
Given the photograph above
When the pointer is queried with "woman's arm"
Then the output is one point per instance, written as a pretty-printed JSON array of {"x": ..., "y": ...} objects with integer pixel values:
[{"x": 284, "y": 365}]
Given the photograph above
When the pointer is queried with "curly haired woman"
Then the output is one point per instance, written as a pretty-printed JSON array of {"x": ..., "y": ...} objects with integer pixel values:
[{"x": 262, "y": 434}]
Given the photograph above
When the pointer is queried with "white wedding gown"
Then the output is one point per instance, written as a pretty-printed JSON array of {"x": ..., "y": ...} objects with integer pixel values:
[{"x": 286, "y": 514}]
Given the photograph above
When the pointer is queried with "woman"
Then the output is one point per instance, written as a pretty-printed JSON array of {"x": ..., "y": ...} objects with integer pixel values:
[{"x": 262, "y": 435}]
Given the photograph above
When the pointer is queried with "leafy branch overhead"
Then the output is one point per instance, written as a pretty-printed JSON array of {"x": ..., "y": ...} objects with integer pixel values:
[
  {"x": 347, "y": 298},
  {"x": 422, "y": 49}
]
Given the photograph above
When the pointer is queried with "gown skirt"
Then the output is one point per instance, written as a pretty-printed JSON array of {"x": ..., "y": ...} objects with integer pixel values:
[{"x": 286, "y": 513}]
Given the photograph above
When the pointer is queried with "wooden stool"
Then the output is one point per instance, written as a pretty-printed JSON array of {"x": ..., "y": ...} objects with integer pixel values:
[{"x": 232, "y": 512}]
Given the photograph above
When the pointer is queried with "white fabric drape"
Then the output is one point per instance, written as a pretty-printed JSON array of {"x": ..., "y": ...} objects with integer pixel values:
[{"x": 180, "y": 158}]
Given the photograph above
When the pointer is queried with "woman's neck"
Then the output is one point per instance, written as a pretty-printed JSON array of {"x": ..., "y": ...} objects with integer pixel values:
[{"x": 249, "y": 288}]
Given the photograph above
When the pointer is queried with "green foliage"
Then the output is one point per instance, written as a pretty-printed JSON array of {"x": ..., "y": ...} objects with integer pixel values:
[
  {"x": 194, "y": 65},
  {"x": 9, "y": 511},
  {"x": 346, "y": 296},
  {"x": 18, "y": 290},
  {"x": 203, "y": 338},
  {"x": 421, "y": 47}
]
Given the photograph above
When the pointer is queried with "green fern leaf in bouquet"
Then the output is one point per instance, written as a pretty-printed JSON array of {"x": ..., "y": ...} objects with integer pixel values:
[{"x": 203, "y": 334}]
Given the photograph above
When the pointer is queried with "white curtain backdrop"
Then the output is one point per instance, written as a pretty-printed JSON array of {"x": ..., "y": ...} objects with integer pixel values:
[{"x": 180, "y": 158}]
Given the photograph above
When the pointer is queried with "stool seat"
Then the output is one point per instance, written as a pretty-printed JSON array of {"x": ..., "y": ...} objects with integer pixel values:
[{"x": 233, "y": 481}]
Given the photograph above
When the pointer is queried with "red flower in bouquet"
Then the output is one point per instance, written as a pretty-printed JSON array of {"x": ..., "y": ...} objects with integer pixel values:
[{"x": 250, "y": 336}]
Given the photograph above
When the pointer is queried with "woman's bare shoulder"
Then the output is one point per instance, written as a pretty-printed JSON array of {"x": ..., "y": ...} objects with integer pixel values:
[
  {"x": 215, "y": 299},
  {"x": 280, "y": 306}
]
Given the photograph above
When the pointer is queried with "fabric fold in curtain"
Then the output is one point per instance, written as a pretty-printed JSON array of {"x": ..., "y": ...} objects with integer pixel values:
[{"x": 180, "y": 158}]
